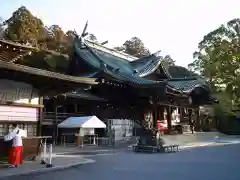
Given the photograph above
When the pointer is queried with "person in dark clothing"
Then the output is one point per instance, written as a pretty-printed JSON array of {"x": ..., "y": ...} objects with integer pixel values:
[{"x": 192, "y": 125}]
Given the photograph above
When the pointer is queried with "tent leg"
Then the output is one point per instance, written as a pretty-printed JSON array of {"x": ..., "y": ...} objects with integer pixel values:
[
  {"x": 82, "y": 141},
  {"x": 94, "y": 140}
]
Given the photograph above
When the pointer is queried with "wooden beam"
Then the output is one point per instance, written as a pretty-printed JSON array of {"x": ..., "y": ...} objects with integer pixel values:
[
  {"x": 177, "y": 105},
  {"x": 198, "y": 123},
  {"x": 190, "y": 116},
  {"x": 154, "y": 115},
  {"x": 169, "y": 119}
]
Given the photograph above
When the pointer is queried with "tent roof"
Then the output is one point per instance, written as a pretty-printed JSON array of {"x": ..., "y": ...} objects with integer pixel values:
[{"x": 82, "y": 122}]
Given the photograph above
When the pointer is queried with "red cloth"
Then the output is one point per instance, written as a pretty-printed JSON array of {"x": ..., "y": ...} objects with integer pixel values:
[{"x": 15, "y": 157}]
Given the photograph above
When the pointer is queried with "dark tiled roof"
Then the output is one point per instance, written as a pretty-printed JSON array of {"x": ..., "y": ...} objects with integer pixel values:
[
  {"x": 148, "y": 66},
  {"x": 119, "y": 69},
  {"x": 183, "y": 80},
  {"x": 184, "y": 86},
  {"x": 132, "y": 79},
  {"x": 44, "y": 73},
  {"x": 177, "y": 78},
  {"x": 173, "y": 72}
]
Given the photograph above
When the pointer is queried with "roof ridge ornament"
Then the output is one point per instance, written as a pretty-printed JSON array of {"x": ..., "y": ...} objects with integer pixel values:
[
  {"x": 157, "y": 54},
  {"x": 84, "y": 32}
]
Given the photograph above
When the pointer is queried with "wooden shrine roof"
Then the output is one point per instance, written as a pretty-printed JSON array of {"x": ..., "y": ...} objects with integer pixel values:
[
  {"x": 135, "y": 72},
  {"x": 176, "y": 80},
  {"x": 39, "y": 78},
  {"x": 49, "y": 74},
  {"x": 46, "y": 82},
  {"x": 115, "y": 67},
  {"x": 10, "y": 51}
]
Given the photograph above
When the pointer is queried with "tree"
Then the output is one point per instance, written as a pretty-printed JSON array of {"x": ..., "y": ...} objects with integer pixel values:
[
  {"x": 70, "y": 36},
  {"x": 56, "y": 39},
  {"x": 134, "y": 47},
  {"x": 168, "y": 60},
  {"x": 218, "y": 59},
  {"x": 25, "y": 28},
  {"x": 2, "y": 29}
]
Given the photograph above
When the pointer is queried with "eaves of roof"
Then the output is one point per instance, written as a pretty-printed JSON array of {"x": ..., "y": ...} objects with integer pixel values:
[
  {"x": 16, "y": 45},
  {"x": 84, "y": 95},
  {"x": 186, "y": 86},
  {"x": 44, "y": 73}
]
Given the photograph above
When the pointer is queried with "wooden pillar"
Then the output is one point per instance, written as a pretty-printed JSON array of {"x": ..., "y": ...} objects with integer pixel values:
[
  {"x": 40, "y": 117},
  {"x": 54, "y": 124},
  {"x": 161, "y": 113},
  {"x": 154, "y": 115},
  {"x": 181, "y": 109},
  {"x": 169, "y": 119},
  {"x": 198, "y": 123},
  {"x": 158, "y": 112},
  {"x": 75, "y": 108},
  {"x": 141, "y": 116},
  {"x": 190, "y": 116},
  {"x": 154, "y": 119}
]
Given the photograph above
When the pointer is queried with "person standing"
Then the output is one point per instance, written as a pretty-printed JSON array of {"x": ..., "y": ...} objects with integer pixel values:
[
  {"x": 192, "y": 126},
  {"x": 15, "y": 157}
]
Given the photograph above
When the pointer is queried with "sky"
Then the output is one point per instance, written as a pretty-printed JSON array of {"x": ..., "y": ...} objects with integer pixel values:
[{"x": 173, "y": 26}]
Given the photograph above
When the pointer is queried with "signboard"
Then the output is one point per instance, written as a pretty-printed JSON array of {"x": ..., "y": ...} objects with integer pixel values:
[{"x": 13, "y": 113}]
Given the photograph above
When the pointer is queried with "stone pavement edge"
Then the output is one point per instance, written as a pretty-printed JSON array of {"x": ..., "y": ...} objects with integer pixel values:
[{"x": 29, "y": 168}]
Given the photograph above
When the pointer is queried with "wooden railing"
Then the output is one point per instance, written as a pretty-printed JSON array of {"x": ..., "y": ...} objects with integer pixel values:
[{"x": 50, "y": 117}]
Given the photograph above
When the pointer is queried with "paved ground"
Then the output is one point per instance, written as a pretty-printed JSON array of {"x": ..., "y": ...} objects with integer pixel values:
[
  {"x": 59, "y": 162},
  {"x": 184, "y": 139},
  {"x": 62, "y": 158},
  {"x": 213, "y": 163},
  {"x": 68, "y": 156}
]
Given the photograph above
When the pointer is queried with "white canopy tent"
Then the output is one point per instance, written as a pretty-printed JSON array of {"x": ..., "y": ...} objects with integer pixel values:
[
  {"x": 82, "y": 122},
  {"x": 86, "y": 126}
]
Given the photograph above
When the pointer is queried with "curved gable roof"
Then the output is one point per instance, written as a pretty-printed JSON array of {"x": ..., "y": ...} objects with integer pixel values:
[{"x": 118, "y": 68}]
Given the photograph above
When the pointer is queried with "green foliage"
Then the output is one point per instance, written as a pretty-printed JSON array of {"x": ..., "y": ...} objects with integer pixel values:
[
  {"x": 25, "y": 28},
  {"x": 2, "y": 30},
  {"x": 218, "y": 59},
  {"x": 134, "y": 47},
  {"x": 56, "y": 39},
  {"x": 168, "y": 61},
  {"x": 47, "y": 60}
]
